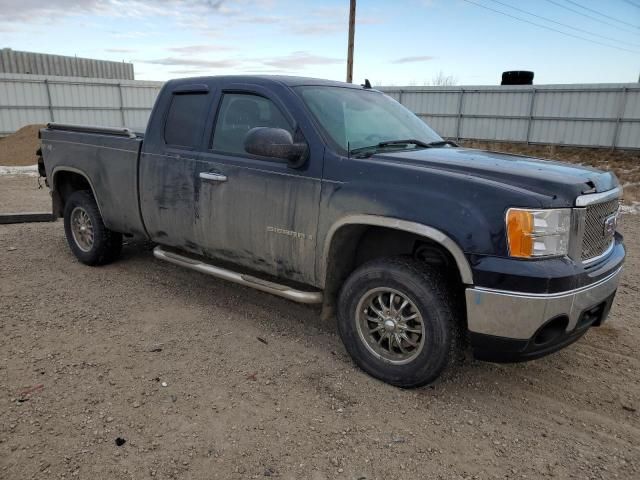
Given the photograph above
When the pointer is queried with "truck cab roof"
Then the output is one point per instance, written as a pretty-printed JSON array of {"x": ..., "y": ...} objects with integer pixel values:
[{"x": 290, "y": 81}]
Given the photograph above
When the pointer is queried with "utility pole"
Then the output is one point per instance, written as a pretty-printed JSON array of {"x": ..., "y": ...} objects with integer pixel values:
[{"x": 352, "y": 32}]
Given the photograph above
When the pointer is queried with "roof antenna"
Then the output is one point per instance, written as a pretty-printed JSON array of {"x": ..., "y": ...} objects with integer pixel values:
[{"x": 366, "y": 84}]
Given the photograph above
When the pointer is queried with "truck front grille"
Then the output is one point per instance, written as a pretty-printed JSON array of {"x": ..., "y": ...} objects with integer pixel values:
[{"x": 596, "y": 239}]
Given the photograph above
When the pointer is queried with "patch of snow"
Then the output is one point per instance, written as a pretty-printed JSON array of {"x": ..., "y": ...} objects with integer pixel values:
[
  {"x": 30, "y": 170},
  {"x": 634, "y": 208}
]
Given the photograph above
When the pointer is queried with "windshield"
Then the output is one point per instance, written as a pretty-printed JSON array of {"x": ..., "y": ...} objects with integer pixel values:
[{"x": 355, "y": 118}]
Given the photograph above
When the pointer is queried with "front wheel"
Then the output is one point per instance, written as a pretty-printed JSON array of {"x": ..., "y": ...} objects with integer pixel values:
[
  {"x": 90, "y": 241},
  {"x": 396, "y": 319}
]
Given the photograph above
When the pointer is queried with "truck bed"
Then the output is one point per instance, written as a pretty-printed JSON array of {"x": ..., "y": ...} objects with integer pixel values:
[{"x": 108, "y": 159}]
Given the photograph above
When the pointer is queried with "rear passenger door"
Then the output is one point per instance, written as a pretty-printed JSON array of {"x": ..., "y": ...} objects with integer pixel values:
[
  {"x": 257, "y": 211},
  {"x": 169, "y": 181}
]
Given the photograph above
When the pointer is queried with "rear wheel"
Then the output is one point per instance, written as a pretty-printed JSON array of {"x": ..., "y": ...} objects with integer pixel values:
[
  {"x": 396, "y": 318},
  {"x": 90, "y": 241}
]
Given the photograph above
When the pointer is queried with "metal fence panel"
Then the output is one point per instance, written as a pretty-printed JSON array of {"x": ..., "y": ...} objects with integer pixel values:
[
  {"x": 495, "y": 103},
  {"x": 596, "y": 115},
  {"x": 137, "y": 119},
  {"x": 446, "y": 126},
  {"x": 89, "y": 117},
  {"x": 26, "y": 99},
  {"x": 628, "y": 135},
  {"x": 84, "y": 96},
  {"x": 138, "y": 96},
  {"x": 563, "y": 132},
  {"x": 23, "y": 94},
  {"x": 494, "y": 128},
  {"x": 632, "y": 104},
  {"x": 430, "y": 103},
  {"x": 12, "y": 119}
]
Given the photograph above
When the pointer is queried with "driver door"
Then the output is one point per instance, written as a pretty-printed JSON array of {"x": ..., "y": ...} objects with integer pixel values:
[{"x": 256, "y": 211}]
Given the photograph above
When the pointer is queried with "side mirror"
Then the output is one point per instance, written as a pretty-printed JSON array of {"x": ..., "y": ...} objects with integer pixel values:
[{"x": 277, "y": 143}]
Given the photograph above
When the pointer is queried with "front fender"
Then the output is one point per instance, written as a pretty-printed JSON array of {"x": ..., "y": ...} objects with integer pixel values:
[{"x": 402, "y": 225}]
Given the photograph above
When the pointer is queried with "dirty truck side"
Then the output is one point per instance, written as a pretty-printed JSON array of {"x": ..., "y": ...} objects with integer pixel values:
[{"x": 325, "y": 192}]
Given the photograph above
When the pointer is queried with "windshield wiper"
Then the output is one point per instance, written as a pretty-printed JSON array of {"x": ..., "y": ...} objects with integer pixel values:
[
  {"x": 390, "y": 143},
  {"x": 442, "y": 143},
  {"x": 410, "y": 141}
]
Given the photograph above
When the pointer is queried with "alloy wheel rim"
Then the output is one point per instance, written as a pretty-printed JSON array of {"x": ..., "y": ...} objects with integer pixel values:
[
  {"x": 82, "y": 229},
  {"x": 390, "y": 325}
]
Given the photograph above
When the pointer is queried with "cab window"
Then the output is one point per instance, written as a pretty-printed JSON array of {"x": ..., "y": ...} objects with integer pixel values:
[
  {"x": 238, "y": 114},
  {"x": 185, "y": 119}
]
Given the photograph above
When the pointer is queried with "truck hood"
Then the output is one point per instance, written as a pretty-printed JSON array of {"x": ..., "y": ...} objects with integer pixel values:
[{"x": 547, "y": 177}]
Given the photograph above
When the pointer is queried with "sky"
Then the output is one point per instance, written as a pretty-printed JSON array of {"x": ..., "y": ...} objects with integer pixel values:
[{"x": 403, "y": 42}]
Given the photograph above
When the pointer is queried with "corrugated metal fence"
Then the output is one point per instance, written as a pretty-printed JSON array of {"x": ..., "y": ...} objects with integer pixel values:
[
  {"x": 26, "y": 99},
  {"x": 594, "y": 115},
  {"x": 13, "y": 61},
  {"x": 600, "y": 115}
]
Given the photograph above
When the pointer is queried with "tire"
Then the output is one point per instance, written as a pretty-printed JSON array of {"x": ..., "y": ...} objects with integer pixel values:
[
  {"x": 428, "y": 294},
  {"x": 100, "y": 248}
]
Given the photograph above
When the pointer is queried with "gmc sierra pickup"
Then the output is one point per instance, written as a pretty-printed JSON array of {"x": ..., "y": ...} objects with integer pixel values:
[{"x": 326, "y": 192}]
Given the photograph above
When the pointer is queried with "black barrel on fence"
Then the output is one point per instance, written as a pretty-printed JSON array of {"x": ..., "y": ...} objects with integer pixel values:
[{"x": 517, "y": 77}]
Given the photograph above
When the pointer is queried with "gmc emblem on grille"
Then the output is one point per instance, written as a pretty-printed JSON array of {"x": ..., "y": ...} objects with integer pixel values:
[{"x": 610, "y": 224}]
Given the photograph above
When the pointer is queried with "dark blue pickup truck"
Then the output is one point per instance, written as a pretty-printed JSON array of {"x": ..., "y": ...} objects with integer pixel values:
[{"x": 326, "y": 192}]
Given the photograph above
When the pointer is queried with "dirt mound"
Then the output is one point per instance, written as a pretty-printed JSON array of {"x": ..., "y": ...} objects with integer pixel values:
[{"x": 20, "y": 148}]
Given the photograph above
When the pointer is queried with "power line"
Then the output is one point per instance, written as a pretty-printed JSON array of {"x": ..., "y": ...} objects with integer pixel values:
[
  {"x": 565, "y": 25},
  {"x": 632, "y": 3},
  {"x": 590, "y": 16},
  {"x": 602, "y": 14},
  {"x": 550, "y": 28}
]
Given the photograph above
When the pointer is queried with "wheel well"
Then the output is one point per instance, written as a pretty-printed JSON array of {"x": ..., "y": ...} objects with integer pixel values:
[
  {"x": 353, "y": 245},
  {"x": 65, "y": 183}
]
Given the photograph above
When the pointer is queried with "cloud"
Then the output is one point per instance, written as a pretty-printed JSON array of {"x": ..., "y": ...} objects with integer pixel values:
[
  {"x": 416, "y": 59},
  {"x": 195, "y": 49},
  {"x": 194, "y": 15},
  {"x": 188, "y": 72},
  {"x": 33, "y": 11},
  {"x": 299, "y": 60},
  {"x": 265, "y": 71},
  {"x": 315, "y": 28},
  {"x": 328, "y": 20},
  {"x": 262, "y": 19},
  {"x": 295, "y": 61},
  {"x": 7, "y": 28},
  {"x": 120, "y": 50},
  {"x": 131, "y": 34},
  {"x": 192, "y": 62}
]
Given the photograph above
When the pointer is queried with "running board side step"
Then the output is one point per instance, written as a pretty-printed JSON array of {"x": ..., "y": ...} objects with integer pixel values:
[{"x": 243, "y": 279}]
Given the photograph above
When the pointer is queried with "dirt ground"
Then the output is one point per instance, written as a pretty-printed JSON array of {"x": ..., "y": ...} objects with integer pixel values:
[{"x": 206, "y": 379}]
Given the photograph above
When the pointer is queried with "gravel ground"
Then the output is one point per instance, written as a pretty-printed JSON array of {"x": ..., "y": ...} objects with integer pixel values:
[
  {"x": 206, "y": 379},
  {"x": 20, "y": 193}
]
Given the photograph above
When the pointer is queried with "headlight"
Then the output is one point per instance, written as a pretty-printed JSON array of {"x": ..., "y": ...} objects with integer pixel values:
[{"x": 538, "y": 233}]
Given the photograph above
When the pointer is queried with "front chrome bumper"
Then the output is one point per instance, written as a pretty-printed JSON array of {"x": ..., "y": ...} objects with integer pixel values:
[{"x": 518, "y": 315}]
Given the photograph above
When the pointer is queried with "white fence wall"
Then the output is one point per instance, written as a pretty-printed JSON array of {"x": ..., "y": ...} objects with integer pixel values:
[
  {"x": 594, "y": 115},
  {"x": 26, "y": 99}
]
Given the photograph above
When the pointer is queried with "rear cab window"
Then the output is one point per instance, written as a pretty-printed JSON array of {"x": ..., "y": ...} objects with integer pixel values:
[{"x": 185, "y": 119}]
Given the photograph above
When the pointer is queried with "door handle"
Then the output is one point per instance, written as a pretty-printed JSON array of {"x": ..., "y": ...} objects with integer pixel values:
[{"x": 213, "y": 177}]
